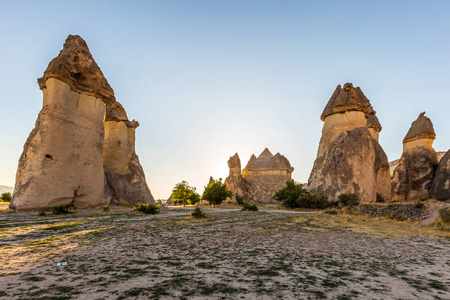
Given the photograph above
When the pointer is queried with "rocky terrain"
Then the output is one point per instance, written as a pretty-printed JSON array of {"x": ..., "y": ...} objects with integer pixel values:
[{"x": 234, "y": 255}]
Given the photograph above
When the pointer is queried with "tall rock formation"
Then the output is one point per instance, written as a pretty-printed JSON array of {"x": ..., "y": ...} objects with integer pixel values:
[
  {"x": 349, "y": 158},
  {"x": 414, "y": 173},
  {"x": 124, "y": 174},
  {"x": 234, "y": 181},
  {"x": 440, "y": 189},
  {"x": 62, "y": 160}
]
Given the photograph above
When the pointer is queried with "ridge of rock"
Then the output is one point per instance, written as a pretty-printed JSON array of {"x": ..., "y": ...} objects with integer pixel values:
[
  {"x": 421, "y": 128},
  {"x": 76, "y": 67},
  {"x": 268, "y": 161}
]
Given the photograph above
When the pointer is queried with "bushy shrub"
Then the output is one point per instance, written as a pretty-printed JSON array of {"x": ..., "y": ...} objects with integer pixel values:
[
  {"x": 6, "y": 197},
  {"x": 41, "y": 213},
  {"x": 60, "y": 210},
  {"x": 198, "y": 213},
  {"x": 348, "y": 199},
  {"x": 184, "y": 194},
  {"x": 240, "y": 199},
  {"x": 444, "y": 215},
  {"x": 215, "y": 192},
  {"x": 105, "y": 209},
  {"x": 148, "y": 209},
  {"x": 249, "y": 207},
  {"x": 293, "y": 195}
]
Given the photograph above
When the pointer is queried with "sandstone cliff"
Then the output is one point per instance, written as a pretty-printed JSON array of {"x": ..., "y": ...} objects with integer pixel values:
[
  {"x": 349, "y": 158},
  {"x": 413, "y": 176}
]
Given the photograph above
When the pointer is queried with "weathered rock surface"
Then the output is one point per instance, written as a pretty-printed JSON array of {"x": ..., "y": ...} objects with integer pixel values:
[
  {"x": 349, "y": 158},
  {"x": 441, "y": 184},
  {"x": 413, "y": 176},
  {"x": 234, "y": 181},
  {"x": 63, "y": 158},
  {"x": 261, "y": 178},
  {"x": 124, "y": 174}
]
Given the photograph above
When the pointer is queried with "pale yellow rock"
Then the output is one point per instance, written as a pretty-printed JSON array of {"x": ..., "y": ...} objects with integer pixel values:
[{"x": 62, "y": 161}]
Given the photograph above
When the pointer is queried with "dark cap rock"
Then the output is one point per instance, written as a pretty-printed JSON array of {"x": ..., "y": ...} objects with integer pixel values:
[{"x": 421, "y": 128}]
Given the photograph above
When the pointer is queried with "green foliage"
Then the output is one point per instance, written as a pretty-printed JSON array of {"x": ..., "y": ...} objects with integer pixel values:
[
  {"x": 444, "y": 215},
  {"x": 240, "y": 199},
  {"x": 348, "y": 199},
  {"x": 105, "y": 209},
  {"x": 148, "y": 209},
  {"x": 60, "y": 210},
  {"x": 184, "y": 194},
  {"x": 249, "y": 207},
  {"x": 6, "y": 197},
  {"x": 198, "y": 213},
  {"x": 41, "y": 213},
  {"x": 293, "y": 195},
  {"x": 215, "y": 192}
]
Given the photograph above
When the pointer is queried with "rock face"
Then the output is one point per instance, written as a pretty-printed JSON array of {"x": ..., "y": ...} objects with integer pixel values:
[
  {"x": 62, "y": 161},
  {"x": 349, "y": 158},
  {"x": 234, "y": 181},
  {"x": 261, "y": 178},
  {"x": 441, "y": 184},
  {"x": 124, "y": 174},
  {"x": 413, "y": 176}
]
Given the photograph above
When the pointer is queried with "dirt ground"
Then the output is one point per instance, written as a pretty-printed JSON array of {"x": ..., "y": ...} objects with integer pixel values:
[{"x": 233, "y": 255}]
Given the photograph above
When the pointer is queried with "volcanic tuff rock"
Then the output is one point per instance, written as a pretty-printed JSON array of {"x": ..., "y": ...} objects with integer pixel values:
[
  {"x": 349, "y": 158},
  {"x": 414, "y": 173},
  {"x": 261, "y": 178},
  {"x": 234, "y": 181},
  {"x": 441, "y": 184},
  {"x": 62, "y": 162}
]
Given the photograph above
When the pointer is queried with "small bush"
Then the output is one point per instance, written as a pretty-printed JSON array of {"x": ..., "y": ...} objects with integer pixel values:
[
  {"x": 419, "y": 204},
  {"x": 293, "y": 195},
  {"x": 348, "y": 199},
  {"x": 148, "y": 209},
  {"x": 198, "y": 213},
  {"x": 41, "y": 213},
  {"x": 6, "y": 197},
  {"x": 60, "y": 210},
  {"x": 331, "y": 212},
  {"x": 249, "y": 207},
  {"x": 444, "y": 215},
  {"x": 240, "y": 199},
  {"x": 105, "y": 209}
]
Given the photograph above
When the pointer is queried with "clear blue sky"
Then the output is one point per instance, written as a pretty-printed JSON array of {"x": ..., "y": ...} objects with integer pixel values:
[{"x": 206, "y": 79}]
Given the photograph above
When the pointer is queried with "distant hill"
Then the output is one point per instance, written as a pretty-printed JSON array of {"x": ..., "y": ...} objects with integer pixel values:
[
  {"x": 5, "y": 189},
  {"x": 394, "y": 163}
]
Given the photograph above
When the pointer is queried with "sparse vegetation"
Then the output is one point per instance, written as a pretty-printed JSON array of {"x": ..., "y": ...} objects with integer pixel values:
[
  {"x": 105, "y": 209},
  {"x": 240, "y": 199},
  {"x": 148, "y": 209},
  {"x": 293, "y": 195},
  {"x": 41, "y": 213},
  {"x": 216, "y": 192},
  {"x": 348, "y": 199},
  {"x": 184, "y": 194},
  {"x": 6, "y": 197},
  {"x": 197, "y": 213},
  {"x": 249, "y": 207}
]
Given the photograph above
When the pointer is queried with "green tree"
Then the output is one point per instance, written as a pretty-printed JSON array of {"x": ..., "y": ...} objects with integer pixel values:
[
  {"x": 6, "y": 197},
  {"x": 215, "y": 192},
  {"x": 293, "y": 195},
  {"x": 184, "y": 194}
]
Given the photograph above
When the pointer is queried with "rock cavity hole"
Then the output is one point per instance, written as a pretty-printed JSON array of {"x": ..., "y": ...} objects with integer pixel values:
[{"x": 48, "y": 156}]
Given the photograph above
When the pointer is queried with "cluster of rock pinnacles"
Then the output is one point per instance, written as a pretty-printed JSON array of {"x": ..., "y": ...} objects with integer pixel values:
[
  {"x": 350, "y": 159},
  {"x": 81, "y": 151}
]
